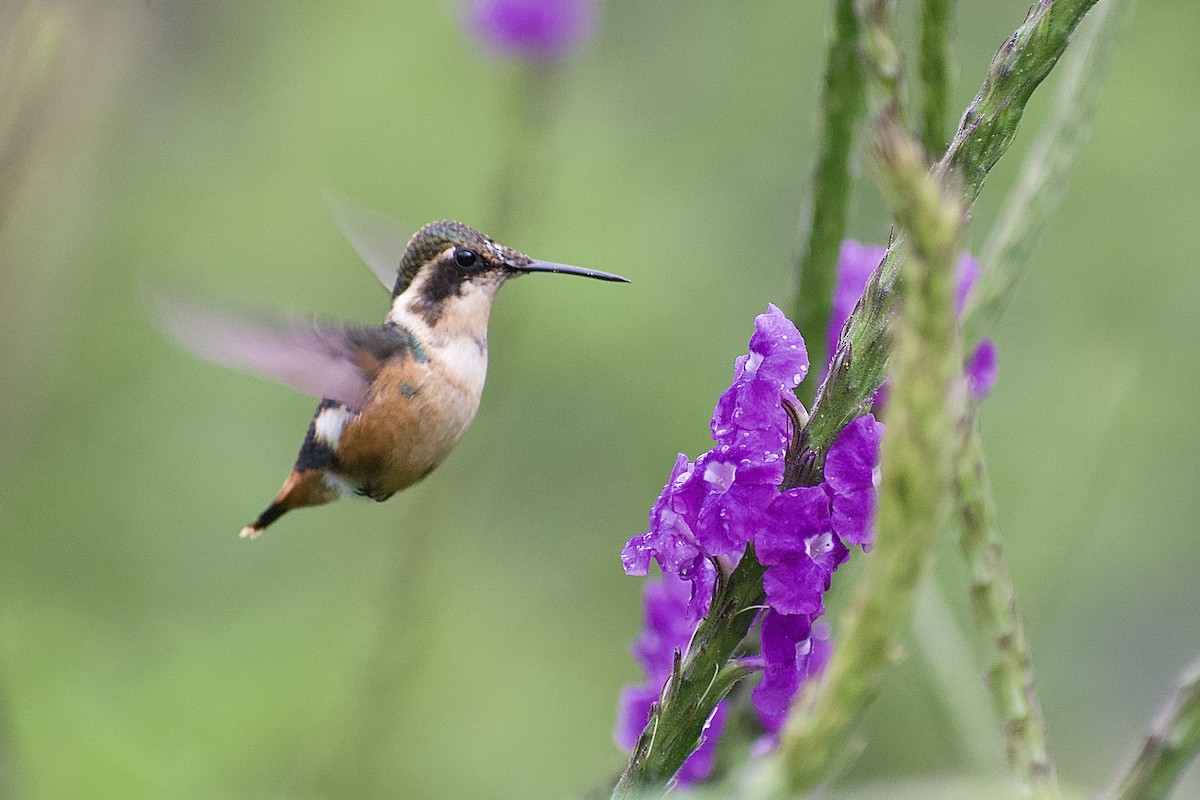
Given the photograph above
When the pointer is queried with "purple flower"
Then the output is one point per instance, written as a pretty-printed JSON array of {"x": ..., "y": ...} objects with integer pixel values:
[
  {"x": 670, "y": 539},
  {"x": 535, "y": 30},
  {"x": 669, "y": 628},
  {"x": 776, "y": 363},
  {"x": 800, "y": 551},
  {"x": 736, "y": 496},
  {"x": 710, "y": 509},
  {"x": 786, "y": 648},
  {"x": 850, "y": 480},
  {"x": 856, "y": 262}
]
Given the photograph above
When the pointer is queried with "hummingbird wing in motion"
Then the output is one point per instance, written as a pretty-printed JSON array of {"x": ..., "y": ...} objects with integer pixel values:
[
  {"x": 335, "y": 362},
  {"x": 378, "y": 238}
]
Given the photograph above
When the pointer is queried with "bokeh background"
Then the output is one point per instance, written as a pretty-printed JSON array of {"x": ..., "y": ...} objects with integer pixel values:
[{"x": 469, "y": 637}]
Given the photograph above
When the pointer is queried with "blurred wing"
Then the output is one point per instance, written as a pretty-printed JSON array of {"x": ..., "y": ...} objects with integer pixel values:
[
  {"x": 320, "y": 360},
  {"x": 377, "y": 238}
]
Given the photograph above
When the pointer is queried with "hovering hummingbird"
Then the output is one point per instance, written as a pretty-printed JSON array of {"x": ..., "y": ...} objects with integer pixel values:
[{"x": 395, "y": 398}]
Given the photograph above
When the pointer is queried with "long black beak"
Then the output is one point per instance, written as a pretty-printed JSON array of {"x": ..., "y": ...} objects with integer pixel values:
[{"x": 566, "y": 269}]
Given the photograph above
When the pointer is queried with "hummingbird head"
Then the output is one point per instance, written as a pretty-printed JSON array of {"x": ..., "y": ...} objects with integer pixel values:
[{"x": 450, "y": 269}]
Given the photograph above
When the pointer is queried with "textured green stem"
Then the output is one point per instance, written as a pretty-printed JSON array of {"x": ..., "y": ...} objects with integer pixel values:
[
  {"x": 1172, "y": 743},
  {"x": 883, "y": 66},
  {"x": 990, "y": 122},
  {"x": 698, "y": 682},
  {"x": 1046, "y": 171},
  {"x": 932, "y": 69},
  {"x": 842, "y": 101},
  {"x": 925, "y": 402},
  {"x": 994, "y": 606}
]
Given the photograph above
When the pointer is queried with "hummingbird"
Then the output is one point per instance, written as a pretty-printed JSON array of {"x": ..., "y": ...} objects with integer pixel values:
[{"x": 396, "y": 397}]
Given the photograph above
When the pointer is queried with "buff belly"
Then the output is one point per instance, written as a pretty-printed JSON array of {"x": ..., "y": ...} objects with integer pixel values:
[{"x": 411, "y": 422}]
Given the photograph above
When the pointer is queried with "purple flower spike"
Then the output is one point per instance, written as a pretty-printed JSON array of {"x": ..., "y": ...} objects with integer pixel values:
[
  {"x": 729, "y": 497},
  {"x": 850, "y": 479},
  {"x": 535, "y": 30}
]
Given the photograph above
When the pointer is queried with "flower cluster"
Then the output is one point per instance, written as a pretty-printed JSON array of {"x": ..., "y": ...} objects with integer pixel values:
[
  {"x": 534, "y": 30},
  {"x": 729, "y": 497},
  {"x": 856, "y": 261}
]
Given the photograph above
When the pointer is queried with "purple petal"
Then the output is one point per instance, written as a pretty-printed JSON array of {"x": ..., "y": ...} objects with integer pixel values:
[
  {"x": 777, "y": 351},
  {"x": 967, "y": 271},
  {"x": 670, "y": 539},
  {"x": 633, "y": 712},
  {"x": 793, "y": 517},
  {"x": 703, "y": 576},
  {"x": 796, "y": 586},
  {"x": 850, "y": 479},
  {"x": 730, "y": 517},
  {"x": 856, "y": 262},
  {"x": 785, "y": 648},
  {"x": 981, "y": 369},
  {"x": 699, "y": 764}
]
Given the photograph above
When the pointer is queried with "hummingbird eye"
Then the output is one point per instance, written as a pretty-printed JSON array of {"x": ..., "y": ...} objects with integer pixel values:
[{"x": 464, "y": 257}]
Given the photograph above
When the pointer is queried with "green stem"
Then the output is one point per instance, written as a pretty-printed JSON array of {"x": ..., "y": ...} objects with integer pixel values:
[
  {"x": 1173, "y": 742},
  {"x": 883, "y": 66},
  {"x": 700, "y": 680},
  {"x": 934, "y": 55},
  {"x": 842, "y": 101},
  {"x": 994, "y": 606},
  {"x": 990, "y": 122},
  {"x": 916, "y": 452}
]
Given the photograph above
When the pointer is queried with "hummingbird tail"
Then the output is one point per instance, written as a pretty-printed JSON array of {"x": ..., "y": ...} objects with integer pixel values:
[
  {"x": 302, "y": 488},
  {"x": 254, "y": 529}
]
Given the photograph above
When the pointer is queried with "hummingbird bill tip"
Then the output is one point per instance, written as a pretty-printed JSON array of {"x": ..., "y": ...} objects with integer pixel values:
[{"x": 567, "y": 269}]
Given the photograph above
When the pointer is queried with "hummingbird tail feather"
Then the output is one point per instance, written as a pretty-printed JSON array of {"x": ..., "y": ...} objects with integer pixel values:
[
  {"x": 273, "y": 512},
  {"x": 302, "y": 488}
]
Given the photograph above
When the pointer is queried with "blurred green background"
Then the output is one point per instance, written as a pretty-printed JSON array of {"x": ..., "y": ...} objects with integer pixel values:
[{"x": 468, "y": 638}]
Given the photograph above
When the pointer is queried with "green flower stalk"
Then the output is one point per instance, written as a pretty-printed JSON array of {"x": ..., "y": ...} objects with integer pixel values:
[
  {"x": 932, "y": 69},
  {"x": 990, "y": 122},
  {"x": 926, "y": 400},
  {"x": 994, "y": 606},
  {"x": 843, "y": 104},
  {"x": 1173, "y": 742},
  {"x": 1046, "y": 172}
]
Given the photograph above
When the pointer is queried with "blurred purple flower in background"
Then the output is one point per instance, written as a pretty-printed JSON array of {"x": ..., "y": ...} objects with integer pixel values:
[
  {"x": 534, "y": 30},
  {"x": 728, "y": 497},
  {"x": 855, "y": 264}
]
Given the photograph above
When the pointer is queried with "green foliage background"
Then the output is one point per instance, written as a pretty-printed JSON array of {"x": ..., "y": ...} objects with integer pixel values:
[{"x": 468, "y": 638}]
